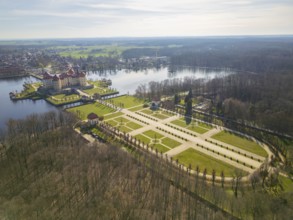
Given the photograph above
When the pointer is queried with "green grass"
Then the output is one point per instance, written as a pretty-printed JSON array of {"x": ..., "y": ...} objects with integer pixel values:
[
  {"x": 135, "y": 108},
  {"x": 160, "y": 148},
  {"x": 143, "y": 138},
  {"x": 101, "y": 91},
  {"x": 240, "y": 142},
  {"x": 133, "y": 125},
  {"x": 28, "y": 91},
  {"x": 124, "y": 129},
  {"x": 128, "y": 101},
  {"x": 196, "y": 129},
  {"x": 147, "y": 111},
  {"x": 157, "y": 114},
  {"x": 97, "y": 108},
  {"x": 63, "y": 98},
  {"x": 201, "y": 128},
  {"x": 152, "y": 134},
  {"x": 113, "y": 123},
  {"x": 160, "y": 116},
  {"x": 121, "y": 119},
  {"x": 170, "y": 142},
  {"x": 195, "y": 158},
  {"x": 286, "y": 183},
  {"x": 113, "y": 115}
]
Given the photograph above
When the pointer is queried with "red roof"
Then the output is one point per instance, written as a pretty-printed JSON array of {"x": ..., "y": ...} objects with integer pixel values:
[
  {"x": 71, "y": 71},
  {"x": 55, "y": 78},
  {"x": 92, "y": 116}
]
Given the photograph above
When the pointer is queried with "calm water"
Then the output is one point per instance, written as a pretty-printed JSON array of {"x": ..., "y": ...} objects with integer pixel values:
[
  {"x": 18, "y": 109},
  {"x": 127, "y": 81},
  {"x": 123, "y": 80}
]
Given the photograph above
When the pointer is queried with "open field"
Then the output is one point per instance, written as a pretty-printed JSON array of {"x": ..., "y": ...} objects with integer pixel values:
[
  {"x": 97, "y": 108},
  {"x": 95, "y": 51},
  {"x": 197, "y": 127},
  {"x": 127, "y": 101},
  {"x": 240, "y": 142},
  {"x": 203, "y": 161}
]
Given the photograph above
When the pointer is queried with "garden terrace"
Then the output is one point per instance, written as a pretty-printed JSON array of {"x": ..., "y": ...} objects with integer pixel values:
[
  {"x": 82, "y": 111},
  {"x": 126, "y": 101},
  {"x": 240, "y": 142},
  {"x": 157, "y": 141},
  {"x": 123, "y": 124},
  {"x": 195, "y": 158},
  {"x": 62, "y": 99},
  {"x": 157, "y": 114},
  {"x": 195, "y": 126}
]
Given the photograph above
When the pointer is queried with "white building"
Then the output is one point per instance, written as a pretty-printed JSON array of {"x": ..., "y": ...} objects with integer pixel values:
[{"x": 64, "y": 80}]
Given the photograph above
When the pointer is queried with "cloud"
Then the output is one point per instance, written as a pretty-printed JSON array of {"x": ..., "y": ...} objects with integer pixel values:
[{"x": 82, "y": 18}]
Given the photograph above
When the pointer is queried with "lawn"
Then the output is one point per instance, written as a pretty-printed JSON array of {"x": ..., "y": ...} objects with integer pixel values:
[
  {"x": 113, "y": 115},
  {"x": 28, "y": 91},
  {"x": 124, "y": 129},
  {"x": 240, "y": 142},
  {"x": 160, "y": 148},
  {"x": 101, "y": 91},
  {"x": 156, "y": 114},
  {"x": 286, "y": 183},
  {"x": 143, "y": 138},
  {"x": 170, "y": 142},
  {"x": 197, "y": 127},
  {"x": 136, "y": 108},
  {"x": 97, "y": 108},
  {"x": 195, "y": 158},
  {"x": 152, "y": 134},
  {"x": 63, "y": 98},
  {"x": 128, "y": 101},
  {"x": 133, "y": 125},
  {"x": 123, "y": 124}
]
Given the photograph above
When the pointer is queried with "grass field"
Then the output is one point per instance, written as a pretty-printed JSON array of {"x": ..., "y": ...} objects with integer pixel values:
[
  {"x": 197, "y": 127},
  {"x": 157, "y": 114},
  {"x": 195, "y": 158},
  {"x": 134, "y": 109},
  {"x": 97, "y": 108},
  {"x": 123, "y": 124},
  {"x": 128, "y": 101},
  {"x": 240, "y": 142},
  {"x": 153, "y": 134},
  {"x": 170, "y": 142},
  {"x": 157, "y": 141},
  {"x": 63, "y": 98},
  {"x": 143, "y": 138},
  {"x": 113, "y": 115}
]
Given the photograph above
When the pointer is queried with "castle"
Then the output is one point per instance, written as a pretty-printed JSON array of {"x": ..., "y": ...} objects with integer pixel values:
[{"x": 64, "y": 80}]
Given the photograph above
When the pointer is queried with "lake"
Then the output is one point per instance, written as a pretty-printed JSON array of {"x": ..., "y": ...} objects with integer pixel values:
[{"x": 125, "y": 81}]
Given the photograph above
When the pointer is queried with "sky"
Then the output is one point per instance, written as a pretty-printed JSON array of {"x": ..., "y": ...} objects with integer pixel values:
[{"x": 22, "y": 19}]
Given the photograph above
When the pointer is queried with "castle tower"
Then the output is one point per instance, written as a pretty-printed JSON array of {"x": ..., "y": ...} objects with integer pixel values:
[{"x": 56, "y": 83}]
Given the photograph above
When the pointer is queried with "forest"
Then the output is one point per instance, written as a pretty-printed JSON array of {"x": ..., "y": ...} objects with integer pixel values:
[{"x": 50, "y": 172}]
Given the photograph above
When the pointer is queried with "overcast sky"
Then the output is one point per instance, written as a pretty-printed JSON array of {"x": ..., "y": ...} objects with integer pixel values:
[{"x": 118, "y": 18}]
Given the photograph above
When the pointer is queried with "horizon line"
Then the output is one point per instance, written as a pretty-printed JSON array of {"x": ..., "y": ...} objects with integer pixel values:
[{"x": 149, "y": 37}]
